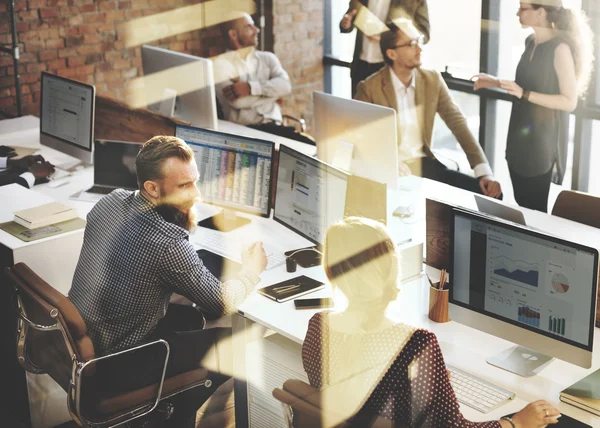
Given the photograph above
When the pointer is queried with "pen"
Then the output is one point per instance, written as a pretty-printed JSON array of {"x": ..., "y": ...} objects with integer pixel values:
[
  {"x": 429, "y": 279},
  {"x": 406, "y": 241},
  {"x": 285, "y": 288}
]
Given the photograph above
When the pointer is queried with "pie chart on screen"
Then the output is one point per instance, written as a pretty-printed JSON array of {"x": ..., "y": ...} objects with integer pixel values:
[{"x": 560, "y": 283}]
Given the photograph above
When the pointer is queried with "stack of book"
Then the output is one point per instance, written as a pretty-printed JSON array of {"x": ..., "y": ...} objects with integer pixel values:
[
  {"x": 585, "y": 394},
  {"x": 44, "y": 215}
]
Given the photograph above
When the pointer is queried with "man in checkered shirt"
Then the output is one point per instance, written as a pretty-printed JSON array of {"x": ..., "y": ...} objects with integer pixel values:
[{"x": 136, "y": 254}]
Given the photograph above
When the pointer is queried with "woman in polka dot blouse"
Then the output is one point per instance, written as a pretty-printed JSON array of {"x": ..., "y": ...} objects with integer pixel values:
[{"x": 368, "y": 362}]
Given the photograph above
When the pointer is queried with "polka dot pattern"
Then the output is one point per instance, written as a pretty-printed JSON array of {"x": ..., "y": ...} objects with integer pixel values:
[{"x": 412, "y": 387}]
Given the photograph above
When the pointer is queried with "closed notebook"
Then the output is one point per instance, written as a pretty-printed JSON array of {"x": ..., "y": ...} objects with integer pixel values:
[
  {"x": 584, "y": 394},
  {"x": 292, "y": 288},
  {"x": 44, "y": 215}
]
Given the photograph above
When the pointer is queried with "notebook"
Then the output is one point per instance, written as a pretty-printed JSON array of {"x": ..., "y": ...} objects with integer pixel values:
[
  {"x": 44, "y": 215},
  {"x": 584, "y": 394},
  {"x": 292, "y": 288}
]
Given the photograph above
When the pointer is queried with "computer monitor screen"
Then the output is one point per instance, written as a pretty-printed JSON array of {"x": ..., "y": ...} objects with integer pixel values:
[
  {"x": 114, "y": 164},
  {"x": 533, "y": 289},
  {"x": 310, "y": 194},
  {"x": 67, "y": 116},
  {"x": 187, "y": 77},
  {"x": 235, "y": 171},
  {"x": 367, "y": 130}
]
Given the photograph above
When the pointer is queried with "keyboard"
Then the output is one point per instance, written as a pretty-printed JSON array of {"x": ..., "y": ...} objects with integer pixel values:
[
  {"x": 476, "y": 392},
  {"x": 58, "y": 174},
  {"x": 215, "y": 242}
]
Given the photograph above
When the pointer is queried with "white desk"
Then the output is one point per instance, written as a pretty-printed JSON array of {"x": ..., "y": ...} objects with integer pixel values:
[{"x": 462, "y": 346}]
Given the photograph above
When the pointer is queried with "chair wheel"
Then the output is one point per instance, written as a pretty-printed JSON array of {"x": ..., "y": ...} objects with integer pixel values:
[{"x": 165, "y": 409}]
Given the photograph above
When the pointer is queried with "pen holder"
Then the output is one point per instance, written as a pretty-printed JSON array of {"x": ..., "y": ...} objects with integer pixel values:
[{"x": 438, "y": 304}]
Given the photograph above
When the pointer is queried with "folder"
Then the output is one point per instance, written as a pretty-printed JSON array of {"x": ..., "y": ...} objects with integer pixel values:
[
  {"x": 584, "y": 394},
  {"x": 367, "y": 22}
]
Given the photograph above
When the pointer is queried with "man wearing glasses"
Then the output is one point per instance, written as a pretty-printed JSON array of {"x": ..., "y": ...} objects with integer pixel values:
[
  {"x": 367, "y": 56},
  {"x": 417, "y": 94}
]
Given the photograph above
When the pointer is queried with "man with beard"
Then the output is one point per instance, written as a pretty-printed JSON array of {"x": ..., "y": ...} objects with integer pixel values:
[{"x": 136, "y": 253}]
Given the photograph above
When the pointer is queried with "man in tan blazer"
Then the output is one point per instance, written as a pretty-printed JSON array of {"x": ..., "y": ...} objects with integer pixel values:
[
  {"x": 367, "y": 56},
  {"x": 417, "y": 95}
]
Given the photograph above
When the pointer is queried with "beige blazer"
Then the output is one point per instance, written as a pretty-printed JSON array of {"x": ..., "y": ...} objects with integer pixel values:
[{"x": 431, "y": 96}]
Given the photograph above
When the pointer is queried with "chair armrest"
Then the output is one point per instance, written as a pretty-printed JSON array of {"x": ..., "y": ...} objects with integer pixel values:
[
  {"x": 78, "y": 374},
  {"x": 299, "y": 121}
]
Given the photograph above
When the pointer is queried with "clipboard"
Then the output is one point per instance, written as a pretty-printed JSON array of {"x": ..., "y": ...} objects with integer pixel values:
[{"x": 292, "y": 288}]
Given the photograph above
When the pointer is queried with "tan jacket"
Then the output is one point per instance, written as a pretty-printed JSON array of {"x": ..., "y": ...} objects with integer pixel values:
[{"x": 431, "y": 96}]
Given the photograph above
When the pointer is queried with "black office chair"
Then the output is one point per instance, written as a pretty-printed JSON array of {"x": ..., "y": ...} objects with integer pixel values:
[{"x": 52, "y": 338}]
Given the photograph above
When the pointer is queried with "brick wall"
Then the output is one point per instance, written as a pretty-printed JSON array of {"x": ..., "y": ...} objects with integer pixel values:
[
  {"x": 298, "y": 42},
  {"x": 81, "y": 39}
]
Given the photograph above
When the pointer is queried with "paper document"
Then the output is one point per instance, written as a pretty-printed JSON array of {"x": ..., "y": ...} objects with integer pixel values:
[{"x": 367, "y": 22}]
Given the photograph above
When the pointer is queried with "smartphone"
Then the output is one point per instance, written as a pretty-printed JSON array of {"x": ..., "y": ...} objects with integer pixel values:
[{"x": 324, "y": 302}]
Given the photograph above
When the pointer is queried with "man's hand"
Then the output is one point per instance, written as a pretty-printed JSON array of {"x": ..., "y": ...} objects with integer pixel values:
[
  {"x": 346, "y": 22},
  {"x": 490, "y": 187},
  {"x": 41, "y": 169},
  {"x": 24, "y": 162},
  {"x": 254, "y": 258},
  {"x": 236, "y": 90}
]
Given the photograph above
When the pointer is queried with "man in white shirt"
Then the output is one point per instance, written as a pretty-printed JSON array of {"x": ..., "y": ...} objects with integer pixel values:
[
  {"x": 250, "y": 84},
  {"x": 24, "y": 171},
  {"x": 417, "y": 95},
  {"x": 367, "y": 55}
]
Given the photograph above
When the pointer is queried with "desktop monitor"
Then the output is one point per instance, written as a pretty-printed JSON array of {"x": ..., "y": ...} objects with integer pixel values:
[
  {"x": 67, "y": 117},
  {"x": 310, "y": 196},
  {"x": 535, "y": 290},
  {"x": 235, "y": 173},
  {"x": 357, "y": 136},
  {"x": 186, "y": 79}
]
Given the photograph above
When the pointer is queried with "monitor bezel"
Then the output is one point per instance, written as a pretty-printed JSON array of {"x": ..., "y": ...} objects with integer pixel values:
[
  {"x": 93, "y": 110},
  {"x": 306, "y": 158},
  {"x": 249, "y": 139},
  {"x": 538, "y": 234}
]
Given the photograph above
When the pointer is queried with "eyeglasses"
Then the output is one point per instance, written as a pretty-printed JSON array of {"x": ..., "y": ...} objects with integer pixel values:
[
  {"x": 419, "y": 41},
  {"x": 524, "y": 9}
]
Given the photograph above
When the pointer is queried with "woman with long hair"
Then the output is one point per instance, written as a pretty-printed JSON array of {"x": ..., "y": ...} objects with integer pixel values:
[
  {"x": 552, "y": 74},
  {"x": 368, "y": 363}
]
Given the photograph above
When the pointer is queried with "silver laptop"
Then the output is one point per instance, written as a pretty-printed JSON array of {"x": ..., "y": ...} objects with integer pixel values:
[
  {"x": 114, "y": 168},
  {"x": 497, "y": 209}
]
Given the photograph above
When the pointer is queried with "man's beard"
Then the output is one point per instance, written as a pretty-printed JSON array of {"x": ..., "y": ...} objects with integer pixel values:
[{"x": 179, "y": 216}]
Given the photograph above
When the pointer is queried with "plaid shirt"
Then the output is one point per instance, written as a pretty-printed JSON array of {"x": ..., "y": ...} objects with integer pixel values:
[{"x": 131, "y": 262}]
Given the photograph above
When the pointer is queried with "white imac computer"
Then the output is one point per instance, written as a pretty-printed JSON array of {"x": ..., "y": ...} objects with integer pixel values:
[
  {"x": 235, "y": 173},
  {"x": 67, "y": 117},
  {"x": 310, "y": 197},
  {"x": 358, "y": 137},
  {"x": 524, "y": 286},
  {"x": 185, "y": 83}
]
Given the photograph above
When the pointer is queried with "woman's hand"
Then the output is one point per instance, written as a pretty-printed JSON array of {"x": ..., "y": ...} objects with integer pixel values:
[
  {"x": 483, "y": 81},
  {"x": 347, "y": 20},
  {"x": 536, "y": 414},
  {"x": 512, "y": 88}
]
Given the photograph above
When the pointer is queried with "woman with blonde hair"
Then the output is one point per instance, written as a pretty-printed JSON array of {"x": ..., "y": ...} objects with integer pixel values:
[
  {"x": 396, "y": 371},
  {"x": 552, "y": 74}
]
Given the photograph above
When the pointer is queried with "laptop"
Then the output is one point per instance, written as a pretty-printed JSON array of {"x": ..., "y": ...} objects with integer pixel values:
[
  {"x": 502, "y": 211},
  {"x": 114, "y": 168}
]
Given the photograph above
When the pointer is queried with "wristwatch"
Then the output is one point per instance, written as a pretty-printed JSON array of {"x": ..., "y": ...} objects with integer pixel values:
[
  {"x": 509, "y": 419},
  {"x": 525, "y": 95}
]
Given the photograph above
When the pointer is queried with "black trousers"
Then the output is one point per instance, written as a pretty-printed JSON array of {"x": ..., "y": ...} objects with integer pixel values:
[
  {"x": 183, "y": 329},
  {"x": 361, "y": 70},
  {"x": 435, "y": 170},
  {"x": 532, "y": 192},
  {"x": 283, "y": 131}
]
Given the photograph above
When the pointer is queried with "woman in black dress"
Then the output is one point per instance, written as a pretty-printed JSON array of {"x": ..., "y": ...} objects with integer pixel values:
[{"x": 552, "y": 73}]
